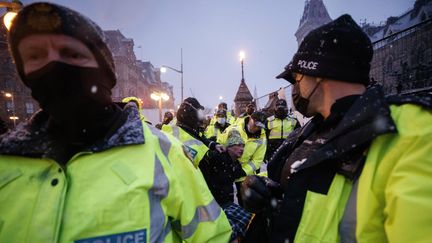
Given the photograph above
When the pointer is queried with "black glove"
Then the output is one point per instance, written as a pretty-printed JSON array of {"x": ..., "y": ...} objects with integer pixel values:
[{"x": 257, "y": 192}]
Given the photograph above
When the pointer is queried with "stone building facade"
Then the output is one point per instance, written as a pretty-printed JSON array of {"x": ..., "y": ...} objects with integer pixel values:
[
  {"x": 402, "y": 60},
  {"x": 314, "y": 15},
  {"x": 135, "y": 77},
  {"x": 19, "y": 105}
]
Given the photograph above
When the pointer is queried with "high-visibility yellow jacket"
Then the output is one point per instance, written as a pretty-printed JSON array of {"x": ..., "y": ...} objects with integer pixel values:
[
  {"x": 196, "y": 149},
  {"x": 368, "y": 179},
  {"x": 230, "y": 119},
  {"x": 280, "y": 128},
  {"x": 254, "y": 150},
  {"x": 137, "y": 187},
  {"x": 393, "y": 200},
  {"x": 213, "y": 131}
]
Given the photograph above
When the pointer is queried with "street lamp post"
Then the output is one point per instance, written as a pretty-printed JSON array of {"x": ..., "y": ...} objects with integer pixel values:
[
  {"x": 164, "y": 67},
  {"x": 13, "y": 117},
  {"x": 159, "y": 96}
]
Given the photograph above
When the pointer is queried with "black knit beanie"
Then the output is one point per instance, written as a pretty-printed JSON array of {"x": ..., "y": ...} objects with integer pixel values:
[
  {"x": 187, "y": 112},
  {"x": 49, "y": 18},
  {"x": 338, "y": 50}
]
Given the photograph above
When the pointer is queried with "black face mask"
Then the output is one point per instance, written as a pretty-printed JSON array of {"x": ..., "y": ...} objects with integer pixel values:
[
  {"x": 74, "y": 96},
  {"x": 281, "y": 112},
  {"x": 301, "y": 104}
]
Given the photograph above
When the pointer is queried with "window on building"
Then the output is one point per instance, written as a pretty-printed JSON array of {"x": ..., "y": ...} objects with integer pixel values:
[
  {"x": 389, "y": 65},
  {"x": 29, "y": 108}
]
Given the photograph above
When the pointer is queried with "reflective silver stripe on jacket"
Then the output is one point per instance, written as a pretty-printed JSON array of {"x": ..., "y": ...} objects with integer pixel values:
[
  {"x": 176, "y": 131},
  {"x": 258, "y": 141},
  {"x": 164, "y": 142},
  {"x": 190, "y": 142},
  {"x": 206, "y": 213},
  {"x": 252, "y": 165},
  {"x": 277, "y": 134},
  {"x": 157, "y": 192},
  {"x": 193, "y": 141},
  {"x": 271, "y": 124},
  {"x": 348, "y": 224}
]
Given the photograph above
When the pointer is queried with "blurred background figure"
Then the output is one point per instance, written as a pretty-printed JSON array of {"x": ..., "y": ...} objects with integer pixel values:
[
  {"x": 279, "y": 126},
  {"x": 167, "y": 120},
  {"x": 213, "y": 131}
]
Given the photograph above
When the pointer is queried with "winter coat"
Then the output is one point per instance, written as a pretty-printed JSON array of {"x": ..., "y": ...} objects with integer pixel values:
[
  {"x": 368, "y": 179},
  {"x": 136, "y": 185},
  {"x": 254, "y": 150},
  {"x": 220, "y": 172}
]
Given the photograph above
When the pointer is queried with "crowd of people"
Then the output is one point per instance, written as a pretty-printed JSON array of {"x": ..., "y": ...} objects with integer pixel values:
[{"x": 87, "y": 169}]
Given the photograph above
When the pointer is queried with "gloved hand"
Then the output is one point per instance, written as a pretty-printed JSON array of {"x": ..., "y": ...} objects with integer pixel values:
[
  {"x": 220, "y": 148},
  {"x": 257, "y": 192}
]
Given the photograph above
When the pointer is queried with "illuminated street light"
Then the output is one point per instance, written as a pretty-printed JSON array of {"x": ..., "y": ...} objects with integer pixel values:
[
  {"x": 220, "y": 97},
  {"x": 242, "y": 56},
  {"x": 159, "y": 96},
  {"x": 12, "y": 9},
  {"x": 7, "y": 19}
]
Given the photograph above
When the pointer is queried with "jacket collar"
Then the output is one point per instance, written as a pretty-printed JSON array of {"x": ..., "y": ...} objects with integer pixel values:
[
  {"x": 31, "y": 139},
  {"x": 365, "y": 120}
]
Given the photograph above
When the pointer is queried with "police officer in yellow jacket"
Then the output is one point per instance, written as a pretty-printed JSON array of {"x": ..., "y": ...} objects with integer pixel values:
[
  {"x": 360, "y": 170},
  {"x": 189, "y": 116},
  {"x": 279, "y": 126},
  {"x": 214, "y": 130},
  {"x": 83, "y": 169},
  {"x": 229, "y": 117}
]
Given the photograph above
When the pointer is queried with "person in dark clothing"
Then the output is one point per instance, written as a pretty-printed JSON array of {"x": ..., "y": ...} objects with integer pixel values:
[
  {"x": 222, "y": 169},
  {"x": 250, "y": 108},
  {"x": 356, "y": 171},
  {"x": 168, "y": 117},
  {"x": 211, "y": 158}
]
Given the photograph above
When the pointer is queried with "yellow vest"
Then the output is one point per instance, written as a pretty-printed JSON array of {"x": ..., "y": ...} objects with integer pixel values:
[
  {"x": 196, "y": 149},
  {"x": 280, "y": 129},
  {"x": 135, "y": 193}
]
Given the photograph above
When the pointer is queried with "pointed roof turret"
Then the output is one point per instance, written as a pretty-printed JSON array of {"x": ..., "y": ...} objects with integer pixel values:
[
  {"x": 314, "y": 15},
  {"x": 243, "y": 93}
]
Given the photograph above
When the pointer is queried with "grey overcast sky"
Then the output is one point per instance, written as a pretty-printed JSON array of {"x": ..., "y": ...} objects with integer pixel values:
[{"x": 212, "y": 32}]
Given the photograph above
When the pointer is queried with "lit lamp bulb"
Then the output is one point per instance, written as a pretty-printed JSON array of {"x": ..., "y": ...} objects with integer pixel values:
[
  {"x": 7, "y": 19},
  {"x": 164, "y": 96},
  {"x": 163, "y": 69},
  {"x": 154, "y": 96},
  {"x": 242, "y": 55}
]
